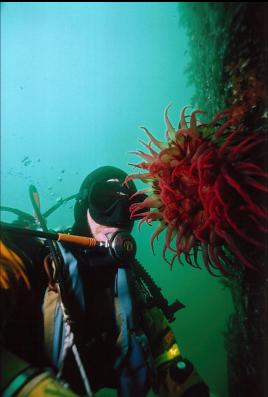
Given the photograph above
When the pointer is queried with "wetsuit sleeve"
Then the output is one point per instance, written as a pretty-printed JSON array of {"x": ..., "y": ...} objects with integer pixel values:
[{"x": 176, "y": 376}]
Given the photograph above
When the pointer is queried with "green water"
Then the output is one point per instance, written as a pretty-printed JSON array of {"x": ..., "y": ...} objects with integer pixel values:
[{"x": 78, "y": 79}]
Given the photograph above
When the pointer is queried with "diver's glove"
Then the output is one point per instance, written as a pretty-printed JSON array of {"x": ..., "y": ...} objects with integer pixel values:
[{"x": 179, "y": 379}]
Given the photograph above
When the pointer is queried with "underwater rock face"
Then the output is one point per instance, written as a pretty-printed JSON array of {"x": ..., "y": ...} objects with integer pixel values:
[{"x": 228, "y": 45}]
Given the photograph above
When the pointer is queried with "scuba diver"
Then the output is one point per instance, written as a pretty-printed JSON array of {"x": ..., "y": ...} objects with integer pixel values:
[{"x": 92, "y": 315}]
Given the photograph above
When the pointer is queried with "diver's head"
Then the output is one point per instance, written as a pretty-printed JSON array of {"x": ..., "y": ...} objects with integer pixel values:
[{"x": 105, "y": 199}]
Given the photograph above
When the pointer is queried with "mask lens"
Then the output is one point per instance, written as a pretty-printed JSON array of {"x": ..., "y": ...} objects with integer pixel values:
[{"x": 104, "y": 196}]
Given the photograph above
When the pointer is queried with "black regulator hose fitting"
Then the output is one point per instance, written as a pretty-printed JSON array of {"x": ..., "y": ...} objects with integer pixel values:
[{"x": 122, "y": 246}]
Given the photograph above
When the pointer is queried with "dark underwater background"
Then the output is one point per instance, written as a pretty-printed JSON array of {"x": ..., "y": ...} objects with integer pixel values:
[{"x": 77, "y": 82}]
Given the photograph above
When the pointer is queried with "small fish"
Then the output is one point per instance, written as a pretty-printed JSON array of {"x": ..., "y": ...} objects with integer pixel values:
[{"x": 25, "y": 159}]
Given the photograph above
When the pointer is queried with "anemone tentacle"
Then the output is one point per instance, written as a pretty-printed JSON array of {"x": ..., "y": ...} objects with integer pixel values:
[{"x": 208, "y": 187}]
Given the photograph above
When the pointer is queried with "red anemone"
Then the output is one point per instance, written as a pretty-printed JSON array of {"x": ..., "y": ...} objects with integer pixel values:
[{"x": 208, "y": 190}]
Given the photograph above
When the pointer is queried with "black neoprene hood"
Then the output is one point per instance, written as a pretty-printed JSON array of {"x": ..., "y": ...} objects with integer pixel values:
[{"x": 107, "y": 198}]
